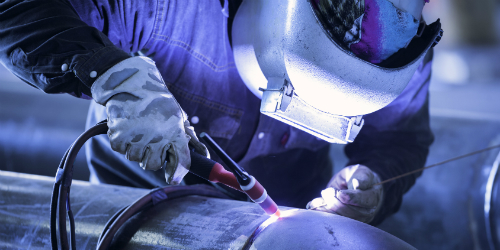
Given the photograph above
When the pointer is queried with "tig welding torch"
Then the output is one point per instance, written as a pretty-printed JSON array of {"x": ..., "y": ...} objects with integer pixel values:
[
  {"x": 60, "y": 207},
  {"x": 238, "y": 178}
]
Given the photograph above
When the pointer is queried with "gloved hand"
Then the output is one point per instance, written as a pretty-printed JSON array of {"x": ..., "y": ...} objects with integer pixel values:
[
  {"x": 351, "y": 193},
  {"x": 145, "y": 121}
]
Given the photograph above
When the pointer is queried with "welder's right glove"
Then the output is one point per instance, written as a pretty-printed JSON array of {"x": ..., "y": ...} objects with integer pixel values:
[
  {"x": 145, "y": 121},
  {"x": 351, "y": 193}
]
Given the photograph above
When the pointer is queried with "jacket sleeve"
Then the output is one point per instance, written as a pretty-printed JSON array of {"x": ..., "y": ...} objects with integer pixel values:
[
  {"x": 396, "y": 140},
  {"x": 38, "y": 37}
]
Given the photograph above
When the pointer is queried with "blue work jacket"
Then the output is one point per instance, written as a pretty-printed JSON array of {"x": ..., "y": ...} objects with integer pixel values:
[{"x": 190, "y": 44}]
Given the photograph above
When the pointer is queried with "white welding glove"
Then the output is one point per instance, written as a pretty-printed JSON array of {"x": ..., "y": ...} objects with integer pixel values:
[
  {"x": 145, "y": 121},
  {"x": 351, "y": 193}
]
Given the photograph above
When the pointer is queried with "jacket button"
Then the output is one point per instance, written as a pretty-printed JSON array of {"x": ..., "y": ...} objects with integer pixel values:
[
  {"x": 64, "y": 67},
  {"x": 93, "y": 74},
  {"x": 195, "y": 119},
  {"x": 261, "y": 135}
]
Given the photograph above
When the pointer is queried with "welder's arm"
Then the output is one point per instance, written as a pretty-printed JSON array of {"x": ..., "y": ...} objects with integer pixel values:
[
  {"x": 47, "y": 45},
  {"x": 393, "y": 141},
  {"x": 396, "y": 140}
]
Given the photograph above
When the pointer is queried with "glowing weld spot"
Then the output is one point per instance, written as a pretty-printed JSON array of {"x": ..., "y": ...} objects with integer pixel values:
[
  {"x": 273, "y": 218},
  {"x": 288, "y": 213},
  {"x": 277, "y": 214}
]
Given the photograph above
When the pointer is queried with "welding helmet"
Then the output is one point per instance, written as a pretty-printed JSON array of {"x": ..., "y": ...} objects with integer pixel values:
[{"x": 305, "y": 78}]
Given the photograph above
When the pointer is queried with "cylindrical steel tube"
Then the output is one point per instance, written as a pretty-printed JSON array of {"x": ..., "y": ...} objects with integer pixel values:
[{"x": 193, "y": 222}]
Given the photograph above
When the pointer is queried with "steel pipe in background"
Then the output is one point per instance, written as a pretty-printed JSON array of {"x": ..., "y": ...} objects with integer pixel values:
[
  {"x": 484, "y": 202},
  {"x": 36, "y": 129},
  {"x": 192, "y": 222}
]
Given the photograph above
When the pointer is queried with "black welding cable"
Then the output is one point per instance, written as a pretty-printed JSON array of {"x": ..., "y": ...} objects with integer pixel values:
[
  {"x": 64, "y": 192},
  {"x": 63, "y": 235},
  {"x": 100, "y": 128},
  {"x": 71, "y": 222},
  {"x": 65, "y": 175},
  {"x": 53, "y": 216},
  {"x": 110, "y": 222},
  {"x": 127, "y": 213},
  {"x": 56, "y": 200},
  {"x": 61, "y": 200},
  {"x": 146, "y": 201},
  {"x": 53, "y": 205}
]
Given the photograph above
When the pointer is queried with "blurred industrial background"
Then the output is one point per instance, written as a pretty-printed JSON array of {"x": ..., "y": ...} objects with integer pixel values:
[{"x": 444, "y": 210}]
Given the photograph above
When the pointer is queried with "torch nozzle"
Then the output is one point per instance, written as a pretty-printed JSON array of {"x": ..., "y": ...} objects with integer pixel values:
[
  {"x": 277, "y": 214},
  {"x": 247, "y": 183}
]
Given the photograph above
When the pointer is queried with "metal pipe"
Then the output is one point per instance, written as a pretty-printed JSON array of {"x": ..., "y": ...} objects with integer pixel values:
[
  {"x": 488, "y": 202},
  {"x": 192, "y": 222}
]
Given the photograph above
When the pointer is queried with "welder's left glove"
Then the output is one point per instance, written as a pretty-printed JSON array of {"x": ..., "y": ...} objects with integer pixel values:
[{"x": 351, "y": 193}]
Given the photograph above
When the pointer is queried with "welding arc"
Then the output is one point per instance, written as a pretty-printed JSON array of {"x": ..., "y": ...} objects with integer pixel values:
[{"x": 437, "y": 164}]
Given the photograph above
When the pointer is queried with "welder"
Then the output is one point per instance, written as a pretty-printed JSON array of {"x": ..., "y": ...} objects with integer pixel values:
[{"x": 273, "y": 82}]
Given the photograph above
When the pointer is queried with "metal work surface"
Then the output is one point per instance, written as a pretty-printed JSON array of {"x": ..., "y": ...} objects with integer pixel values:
[
  {"x": 25, "y": 210},
  {"x": 191, "y": 222},
  {"x": 319, "y": 230}
]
